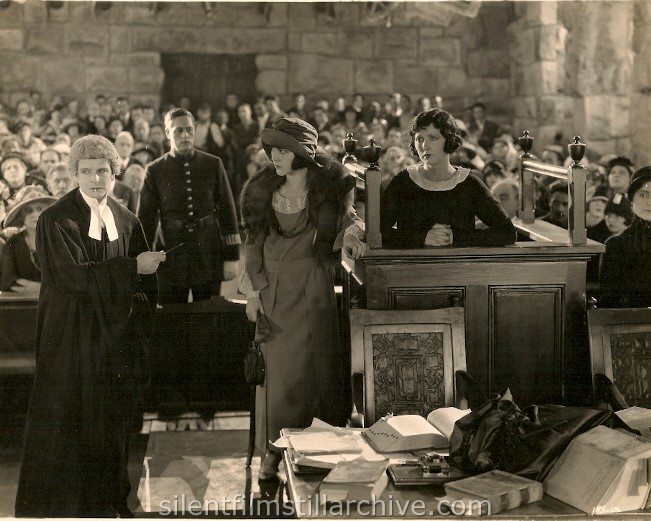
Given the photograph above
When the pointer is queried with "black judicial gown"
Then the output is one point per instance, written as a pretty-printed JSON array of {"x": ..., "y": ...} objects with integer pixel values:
[{"x": 95, "y": 314}]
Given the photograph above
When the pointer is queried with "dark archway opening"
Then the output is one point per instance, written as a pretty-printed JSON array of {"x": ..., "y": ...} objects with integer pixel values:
[{"x": 208, "y": 77}]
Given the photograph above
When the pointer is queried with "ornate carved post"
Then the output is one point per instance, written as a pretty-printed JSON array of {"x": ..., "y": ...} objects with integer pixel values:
[
  {"x": 527, "y": 188},
  {"x": 576, "y": 176},
  {"x": 373, "y": 179},
  {"x": 350, "y": 145}
]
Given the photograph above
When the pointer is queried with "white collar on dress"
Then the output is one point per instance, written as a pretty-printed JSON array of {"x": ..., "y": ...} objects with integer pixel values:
[
  {"x": 437, "y": 186},
  {"x": 100, "y": 216}
]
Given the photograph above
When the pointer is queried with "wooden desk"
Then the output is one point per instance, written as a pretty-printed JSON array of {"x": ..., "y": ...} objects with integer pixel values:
[
  {"x": 418, "y": 502},
  {"x": 524, "y": 305},
  {"x": 17, "y": 333}
]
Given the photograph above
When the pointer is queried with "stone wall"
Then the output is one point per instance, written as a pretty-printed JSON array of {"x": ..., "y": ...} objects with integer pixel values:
[
  {"x": 580, "y": 68},
  {"x": 570, "y": 67},
  {"x": 80, "y": 50}
]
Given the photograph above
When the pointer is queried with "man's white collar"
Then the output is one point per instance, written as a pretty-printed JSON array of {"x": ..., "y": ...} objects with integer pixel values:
[{"x": 100, "y": 216}]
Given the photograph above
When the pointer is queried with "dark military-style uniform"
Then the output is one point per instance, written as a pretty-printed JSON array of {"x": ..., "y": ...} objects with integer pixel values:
[{"x": 192, "y": 199}]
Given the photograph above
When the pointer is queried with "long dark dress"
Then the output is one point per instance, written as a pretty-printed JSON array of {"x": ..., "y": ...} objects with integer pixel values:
[{"x": 93, "y": 319}]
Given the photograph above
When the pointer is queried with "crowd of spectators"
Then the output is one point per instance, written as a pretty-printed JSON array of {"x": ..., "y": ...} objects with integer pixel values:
[{"x": 35, "y": 140}]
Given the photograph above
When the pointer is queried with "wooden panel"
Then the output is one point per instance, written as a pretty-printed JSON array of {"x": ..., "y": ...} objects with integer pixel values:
[
  {"x": 426, "y": 298},
  {"x": 18, "y": 325},
  {"x": 620, "y": 348},
  {"x": 526, "y": 342},
  {"x": 408, "y": 359}
]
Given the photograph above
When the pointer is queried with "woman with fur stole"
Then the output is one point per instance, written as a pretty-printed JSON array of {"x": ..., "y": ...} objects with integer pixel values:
[{"x": 298, "y": 212}]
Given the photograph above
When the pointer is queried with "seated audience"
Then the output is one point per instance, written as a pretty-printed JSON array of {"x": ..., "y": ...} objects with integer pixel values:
[
  {"x": 30, "y": 145},
  {"x": 158, "y": 140},
  {"x": 507, "y": 192},
  {"x": 558, "y": 204},
  {"x": 142, "y": 154},
  {"x": 124, "y": 144},
  {"x": 504, "y": 150},
  {"x": 60, "y": 181},
  {"x": 434, "y": 203},
  {"x": 626, "y": 263},
  {"x": 553, "y": 155},
  {"x": 14, "y": 177},
  {"x": 618, "y": 214},
  {"x": 393, "y": 160},
  {"x": 594, "y": 212},
  {"x": 483, "y": 130},
  {"x": 141, "y": 131},
  {"x": 354, "y": 125},
  {"x": 493, "y": 172},
  {"x": 20, "y": 271},
  {"x": 134, "y": 177},
  {"x": 619, "y": 174}
]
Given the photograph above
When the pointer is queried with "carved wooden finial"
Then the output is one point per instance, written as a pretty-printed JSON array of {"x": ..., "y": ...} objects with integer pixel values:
[
  {"x": 576, "y": 149},
  {"x": 526, "y": 143},
  {"x": 372, "y": 154},
  {"x": 350, "y": 145}
]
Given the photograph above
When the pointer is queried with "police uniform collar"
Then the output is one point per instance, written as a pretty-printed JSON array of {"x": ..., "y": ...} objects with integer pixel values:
[{"x": 180, "y": 158}]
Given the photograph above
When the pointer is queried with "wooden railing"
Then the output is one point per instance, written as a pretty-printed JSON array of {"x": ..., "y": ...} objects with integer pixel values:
[{"x": 574, "y": 175}]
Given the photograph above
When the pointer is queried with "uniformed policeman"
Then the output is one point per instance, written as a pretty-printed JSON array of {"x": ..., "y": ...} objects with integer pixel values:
[{"x": 188, "y": 192}]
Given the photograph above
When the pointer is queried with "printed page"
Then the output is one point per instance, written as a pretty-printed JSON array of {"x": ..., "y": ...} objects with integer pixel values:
[{"x": 444, "y": 419}]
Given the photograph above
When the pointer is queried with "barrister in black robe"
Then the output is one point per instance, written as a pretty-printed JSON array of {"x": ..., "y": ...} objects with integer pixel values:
[{"x": 95, "y": 314}]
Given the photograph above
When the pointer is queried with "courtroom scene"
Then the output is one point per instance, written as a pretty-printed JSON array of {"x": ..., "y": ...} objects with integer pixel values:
[{"x": 354, "y": 259}]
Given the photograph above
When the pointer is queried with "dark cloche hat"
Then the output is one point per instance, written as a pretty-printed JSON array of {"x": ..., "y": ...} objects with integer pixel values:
[
  {"x": 641, "y": 176},
  {"x": 621, "y": 206},
  {"x": 292, "y": 134}
]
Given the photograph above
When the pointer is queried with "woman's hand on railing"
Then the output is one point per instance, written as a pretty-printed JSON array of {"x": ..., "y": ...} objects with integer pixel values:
[{"x": 354, "y": 247}]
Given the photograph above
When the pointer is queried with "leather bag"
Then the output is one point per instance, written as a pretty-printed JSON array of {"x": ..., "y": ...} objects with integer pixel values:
[
  {"x": 254, "y": 368},
  {"x": 498, "y": 435}
]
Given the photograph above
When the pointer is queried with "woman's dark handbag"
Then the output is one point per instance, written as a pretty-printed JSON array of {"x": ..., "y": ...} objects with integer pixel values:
[
  {"x": 254, "y": 373},
  {"x": 498, "y": 435},
  {"x": 254, "y": 369},
  {"x": 254, "y": 365}
]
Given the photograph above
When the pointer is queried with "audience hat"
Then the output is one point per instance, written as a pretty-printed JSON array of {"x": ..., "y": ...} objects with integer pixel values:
[
  {"x": 26, "y": 196},
  {"x": 14, "y": 155},
  {"x": 620, "y": 206}
]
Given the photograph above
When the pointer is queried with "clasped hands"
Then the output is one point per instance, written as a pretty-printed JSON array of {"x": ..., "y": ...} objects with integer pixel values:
[{"x": 439, "y": 235}]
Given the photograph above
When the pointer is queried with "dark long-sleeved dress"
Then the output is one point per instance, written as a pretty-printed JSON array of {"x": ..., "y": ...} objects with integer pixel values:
[
  {"x": 411, "y": 205},
  {"x": 93, "y": 320},
  {"x": 625, "y": 273}
]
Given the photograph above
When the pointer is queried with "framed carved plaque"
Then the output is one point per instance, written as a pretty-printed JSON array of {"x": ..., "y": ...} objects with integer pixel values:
[
  {"x": 620, "y": 348},
  {"x": 407, "y": 358}
]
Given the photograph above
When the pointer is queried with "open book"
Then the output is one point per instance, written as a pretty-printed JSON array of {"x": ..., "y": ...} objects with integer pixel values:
[{"x": 412, "y": 432}]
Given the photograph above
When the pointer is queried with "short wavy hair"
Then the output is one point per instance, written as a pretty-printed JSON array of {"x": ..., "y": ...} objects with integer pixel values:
[
  {"x": 443, "y": 121},
  {"x": 93, "y": 147}
]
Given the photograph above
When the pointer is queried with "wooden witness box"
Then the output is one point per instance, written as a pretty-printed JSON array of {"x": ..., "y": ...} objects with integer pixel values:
[{"x": 524, "y": 304}]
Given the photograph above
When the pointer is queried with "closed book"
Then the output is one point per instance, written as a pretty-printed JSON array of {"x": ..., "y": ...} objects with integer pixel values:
[
  {"x": 492, "y": 492},
  {"x": 354, "y": 481},
  {"x": 603, "y": 471},
  {"x": 413, "y": 432}
]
